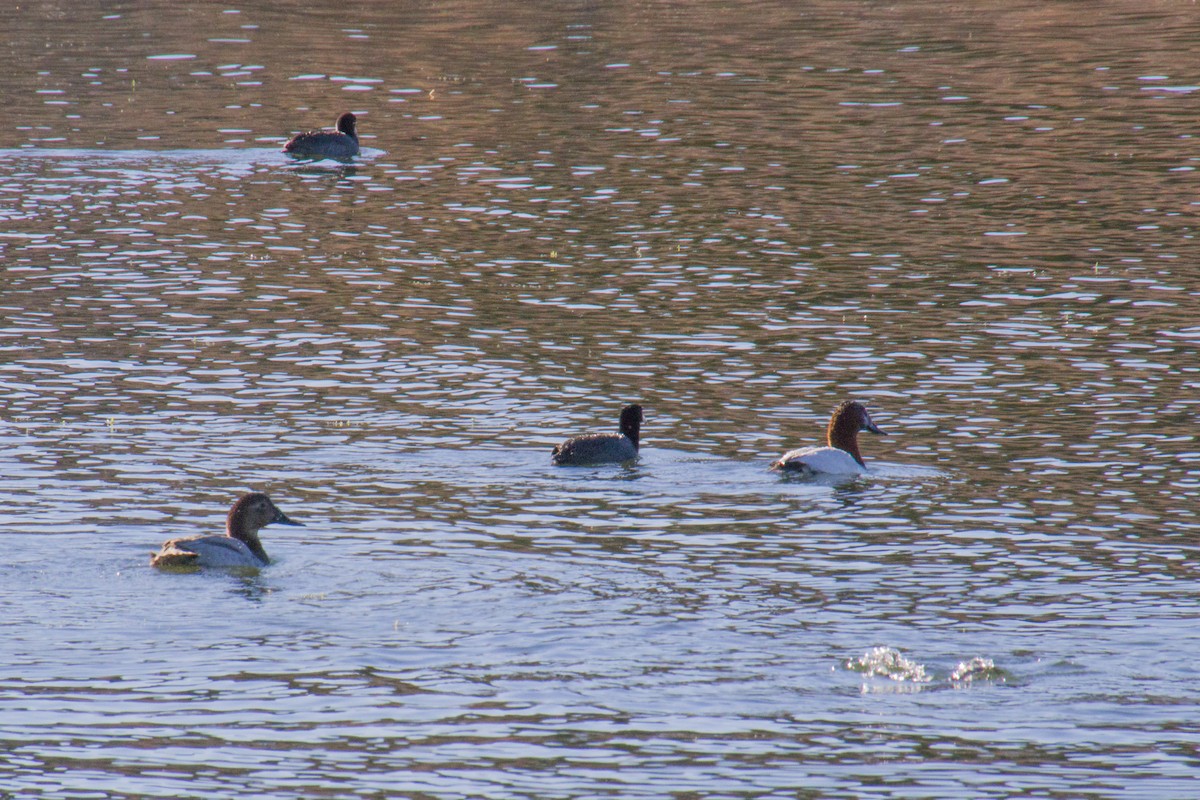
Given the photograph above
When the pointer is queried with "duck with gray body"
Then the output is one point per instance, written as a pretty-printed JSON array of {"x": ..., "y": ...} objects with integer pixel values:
[
  {"x": 603, "y": 448},
  {"x": 239, "y": 547},
  {"x": 841, "y": 456},
  {"x": 341, "y": 143}
]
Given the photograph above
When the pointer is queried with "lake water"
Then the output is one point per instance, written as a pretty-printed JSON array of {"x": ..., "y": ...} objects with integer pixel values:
[{"x": 979, "y": 219}]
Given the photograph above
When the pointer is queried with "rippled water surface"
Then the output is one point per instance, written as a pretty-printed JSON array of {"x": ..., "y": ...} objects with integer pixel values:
[{"x": 980, "y": 220}]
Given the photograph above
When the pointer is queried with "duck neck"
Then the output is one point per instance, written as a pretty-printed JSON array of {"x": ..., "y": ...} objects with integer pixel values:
[
  {"x": 256, "y": 547},
  {"x": 844, "y": 436},
  {"x": 236, "y": 528},
  {"x": 631, "y": 429}
]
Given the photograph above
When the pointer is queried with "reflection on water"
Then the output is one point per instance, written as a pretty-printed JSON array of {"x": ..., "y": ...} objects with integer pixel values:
[{"x": 977, "y": 221}]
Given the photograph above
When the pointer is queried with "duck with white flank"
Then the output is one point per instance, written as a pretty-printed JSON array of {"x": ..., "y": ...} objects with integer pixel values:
[
  {"x": 239, "y": 547},
  {"x": 841, "y": 457}
]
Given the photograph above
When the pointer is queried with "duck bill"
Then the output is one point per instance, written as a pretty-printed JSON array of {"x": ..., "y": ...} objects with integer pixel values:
[
  {"x": 873, "y": 428},
  {"x": 283, "y": 519}
]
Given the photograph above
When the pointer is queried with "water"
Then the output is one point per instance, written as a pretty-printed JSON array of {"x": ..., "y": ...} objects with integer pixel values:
[{"x": 980, "y": 222}]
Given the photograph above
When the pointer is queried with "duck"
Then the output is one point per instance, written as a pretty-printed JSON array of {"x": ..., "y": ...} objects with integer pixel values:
[
  {"x": 841, "y": 456},
  {"x": 239, "y": 547},
  {"x": 603, "y": 448},
  {"x": 342, "y": 143}
]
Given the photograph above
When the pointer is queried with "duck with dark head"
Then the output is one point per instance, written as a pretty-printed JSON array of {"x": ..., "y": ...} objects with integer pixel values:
[
  {"x": 340, "y": 143},
  {"x": 604, "y": 448}
]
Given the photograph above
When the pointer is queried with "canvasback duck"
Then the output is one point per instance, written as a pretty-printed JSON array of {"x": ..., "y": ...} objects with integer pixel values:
[
  {"x": 239, "y": 547},
  {"x": 603, "y": 448},
  {"x": 342, "y": 143},
  {"x": 841, "y": 457}
]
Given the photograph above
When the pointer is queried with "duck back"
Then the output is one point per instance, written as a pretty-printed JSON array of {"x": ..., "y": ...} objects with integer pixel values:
[
  {"x": 206, "y": 551},
  {"x": 340, "y": 143},
  {"x": 816, "y": 460},
  {"x": 595, "y": 448}
]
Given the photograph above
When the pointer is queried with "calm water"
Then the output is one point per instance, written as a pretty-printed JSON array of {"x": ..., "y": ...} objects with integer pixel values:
[{"x": 980, "y": 221}]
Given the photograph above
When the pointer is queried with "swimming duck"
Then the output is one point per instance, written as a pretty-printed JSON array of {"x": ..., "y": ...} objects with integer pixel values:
[
  {"x": 342, "y": 143},
  {"x": 603, "y": 448},
  {"x": 841, "y": 457},
  {"x": 239, "y": 547}
]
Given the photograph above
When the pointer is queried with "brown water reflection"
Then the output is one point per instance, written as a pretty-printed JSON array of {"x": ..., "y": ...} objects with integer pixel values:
[{"x": 978, "y": 219}]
